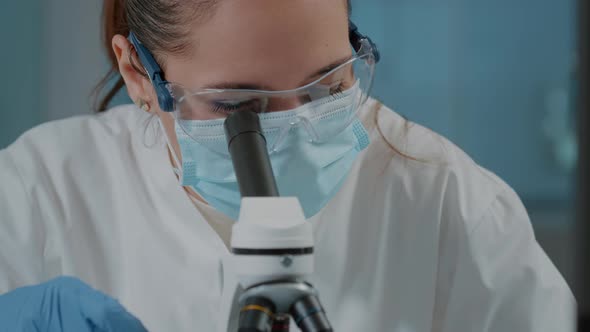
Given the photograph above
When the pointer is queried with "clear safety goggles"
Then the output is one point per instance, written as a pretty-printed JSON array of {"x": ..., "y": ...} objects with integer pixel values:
[
  {"x": 345, "y": 88},
  {"x": 200, "y": 113},
  {"x": 208, "y": 104}
]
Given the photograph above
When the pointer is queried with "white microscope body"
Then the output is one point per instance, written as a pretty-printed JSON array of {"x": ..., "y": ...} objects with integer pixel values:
[
  {"x": 272, "y": 243},
  {"x": 276, "y": 239}
]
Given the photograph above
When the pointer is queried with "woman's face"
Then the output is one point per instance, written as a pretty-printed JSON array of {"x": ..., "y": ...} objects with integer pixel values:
[
  {"x": 254, "y": 44},
  {"x": 264, "y": 44}
]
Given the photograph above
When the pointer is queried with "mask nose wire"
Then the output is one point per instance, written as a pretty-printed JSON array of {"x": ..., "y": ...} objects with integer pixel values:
[
  {"x": 296, "y": 122},
  {"x": 310, "y": 130}
]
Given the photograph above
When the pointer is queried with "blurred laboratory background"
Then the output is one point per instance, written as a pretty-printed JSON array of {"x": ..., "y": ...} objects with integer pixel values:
[{"x": 498, "y": 78}]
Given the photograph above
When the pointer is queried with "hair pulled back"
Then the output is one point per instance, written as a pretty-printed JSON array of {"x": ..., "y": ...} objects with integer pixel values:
[{"x": 163, "y": 26}]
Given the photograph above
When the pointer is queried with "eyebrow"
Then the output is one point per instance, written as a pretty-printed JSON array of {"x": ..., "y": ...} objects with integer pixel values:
[{"x": 254, "y": 86}]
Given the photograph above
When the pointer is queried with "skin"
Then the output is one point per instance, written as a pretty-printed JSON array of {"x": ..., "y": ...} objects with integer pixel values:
[{"x": 273, "y": 45}]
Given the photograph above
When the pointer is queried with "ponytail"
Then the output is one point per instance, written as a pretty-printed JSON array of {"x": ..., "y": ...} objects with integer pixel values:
[{"x": 114, "y": 22}]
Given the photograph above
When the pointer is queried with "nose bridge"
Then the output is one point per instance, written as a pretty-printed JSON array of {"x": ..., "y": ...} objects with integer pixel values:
[{"x": 298, "y": 126}]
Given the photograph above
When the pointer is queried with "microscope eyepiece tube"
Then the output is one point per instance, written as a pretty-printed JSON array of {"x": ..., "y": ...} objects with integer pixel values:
[{"x": 247, "y": 147}]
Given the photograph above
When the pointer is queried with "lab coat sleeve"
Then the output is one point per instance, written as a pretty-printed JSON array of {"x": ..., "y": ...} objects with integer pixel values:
[
  {"x": 501, "y": 279},
  {"x": 21, "y": 232}
]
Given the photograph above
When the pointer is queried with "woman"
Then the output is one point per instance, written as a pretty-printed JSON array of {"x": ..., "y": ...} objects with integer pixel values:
[{"x": 139, "y": 201}]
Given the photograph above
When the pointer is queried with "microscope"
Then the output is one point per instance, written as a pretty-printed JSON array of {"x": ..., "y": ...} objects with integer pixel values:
[{"x": 272, "y": 243}]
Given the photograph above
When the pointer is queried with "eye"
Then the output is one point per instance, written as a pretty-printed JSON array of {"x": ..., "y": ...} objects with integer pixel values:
[
  {"x": 230, "y": 106},
  {"x": 336, "y": 90},
  {"x": 225, "y": 106},
  {"x": 326, "y": 90}
]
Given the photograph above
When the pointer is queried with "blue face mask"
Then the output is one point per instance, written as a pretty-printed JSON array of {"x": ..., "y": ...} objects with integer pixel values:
[{"x": 311, "y": 171}]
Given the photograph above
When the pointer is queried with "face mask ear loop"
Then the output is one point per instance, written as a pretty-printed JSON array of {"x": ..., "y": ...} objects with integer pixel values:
[{"x": 178, "y": 166}]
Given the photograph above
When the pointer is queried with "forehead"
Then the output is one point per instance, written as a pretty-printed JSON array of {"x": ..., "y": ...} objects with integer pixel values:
[{"x": 264, "y": 40}]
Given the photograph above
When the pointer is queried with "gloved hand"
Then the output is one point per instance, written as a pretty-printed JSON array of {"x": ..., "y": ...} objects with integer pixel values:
[{"x": 64, "y": 304}]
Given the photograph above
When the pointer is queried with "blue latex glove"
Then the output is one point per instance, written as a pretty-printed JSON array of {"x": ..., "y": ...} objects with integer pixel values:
[{"x": 64, "y": 304}]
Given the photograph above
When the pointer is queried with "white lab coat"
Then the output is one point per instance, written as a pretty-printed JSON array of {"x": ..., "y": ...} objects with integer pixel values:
[{"x": 436, "y": 245}]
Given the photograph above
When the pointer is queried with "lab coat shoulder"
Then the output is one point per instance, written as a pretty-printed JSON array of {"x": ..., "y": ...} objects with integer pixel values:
[
  {"x": 40, "y": 173},
  {"x": 498, "y": 273},
  {"x": 54, "y": 155},
  {"x": 491, "y": 274},
  {"x": 75, "y": 137},
  {"x": 432, "y": 170}
]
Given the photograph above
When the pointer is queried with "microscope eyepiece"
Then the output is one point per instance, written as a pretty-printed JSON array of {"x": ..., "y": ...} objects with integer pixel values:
[{"x": 247, "y": 147}]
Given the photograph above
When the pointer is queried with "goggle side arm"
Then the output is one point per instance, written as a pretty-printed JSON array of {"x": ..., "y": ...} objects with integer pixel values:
[
  {"x": 155, "y": 74},
  {"x": 356, "y": 37}
]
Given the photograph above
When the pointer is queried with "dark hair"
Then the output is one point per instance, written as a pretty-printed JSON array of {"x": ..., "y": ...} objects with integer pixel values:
[{"x": 155, "y": 23}]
